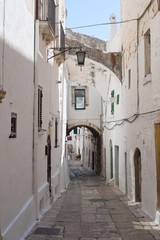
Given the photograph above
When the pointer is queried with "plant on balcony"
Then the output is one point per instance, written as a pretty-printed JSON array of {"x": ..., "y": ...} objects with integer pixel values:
[{"x": 78, "y": 157}]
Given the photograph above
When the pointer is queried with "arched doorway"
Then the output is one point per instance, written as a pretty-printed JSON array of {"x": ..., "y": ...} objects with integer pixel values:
[
  {"x": 49, "y": 163},
  {"x": 138, "y": 178}
]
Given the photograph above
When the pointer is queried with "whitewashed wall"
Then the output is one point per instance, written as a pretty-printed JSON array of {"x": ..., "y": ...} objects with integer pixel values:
[
  {"x": 140, "y": 133},
  {"x": 16, "y": 41}
]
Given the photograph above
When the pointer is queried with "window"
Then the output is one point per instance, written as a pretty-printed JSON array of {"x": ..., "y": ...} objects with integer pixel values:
[
  {"x": 75, "y": 130},
  {"x": 117, "y": 99},
  {"x": 56, "y": 133},
  {"x": 129, "y": 78},
  {"x": 112, "y": 108},
  {"x": 79, "y": 99},
  {"x": 85, "y": 95},
  {"x": 40, "y": 95},
  {"x": 147, "y": 52},
  {"x": 13, "y": 125},
  {"x": 112, "y": 103}
]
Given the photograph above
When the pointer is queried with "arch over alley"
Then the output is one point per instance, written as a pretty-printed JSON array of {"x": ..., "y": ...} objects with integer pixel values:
[{"x": 93, "y": 128}]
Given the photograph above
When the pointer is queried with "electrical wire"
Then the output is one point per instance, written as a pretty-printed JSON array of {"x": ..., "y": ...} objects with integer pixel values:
[
  {"x": 130, "y": 121},
  {"x": 103, "y": 24}
]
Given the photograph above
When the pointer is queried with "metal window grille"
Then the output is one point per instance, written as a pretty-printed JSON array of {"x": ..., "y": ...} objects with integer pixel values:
[
  {"x": 13, "y": 125},
  {"x": 56, "y": 133},
  {"x": 40, "y": 96}
]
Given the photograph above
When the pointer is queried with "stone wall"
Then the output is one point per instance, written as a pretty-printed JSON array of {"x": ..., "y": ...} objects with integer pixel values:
[{"x": 96, "y": 50}]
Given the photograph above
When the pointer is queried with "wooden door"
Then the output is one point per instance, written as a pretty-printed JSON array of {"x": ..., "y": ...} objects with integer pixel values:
[
  {"x": 111, "y": 162},
  {"x": 117, "y": 165},
  {"x": 138, "y": 179},
  {"x": 126, "y": 173},
  {"x": 49, "y": 163},
  {"x": 92, "y": 160}
]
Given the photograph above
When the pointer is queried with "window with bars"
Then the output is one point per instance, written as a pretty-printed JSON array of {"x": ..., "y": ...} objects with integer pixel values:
[
  {"x": 13, "y": 125},
  {"x": 56, "y": 133},
  {"x": 40, "y": 96}
]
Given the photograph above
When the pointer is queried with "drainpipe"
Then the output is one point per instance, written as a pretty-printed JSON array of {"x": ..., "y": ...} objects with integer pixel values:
[
  {"x": 3, "y": 44},
  {"x": 35, "y": 114},
  {"x": 2, "y": 92},
  {"x": 137, "y": 66}
]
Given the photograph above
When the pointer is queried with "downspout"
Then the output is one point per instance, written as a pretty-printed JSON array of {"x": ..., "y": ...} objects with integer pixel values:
[
  {"x": 2, "y": 92},
  {"x": 35, "y": 113},
  {"x": 3, "y": 45},
  {"x": 137, "y": 66}
]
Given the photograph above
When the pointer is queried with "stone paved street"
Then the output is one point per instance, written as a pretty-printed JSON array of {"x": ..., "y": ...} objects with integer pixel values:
[{"x": 90, "y": 210}]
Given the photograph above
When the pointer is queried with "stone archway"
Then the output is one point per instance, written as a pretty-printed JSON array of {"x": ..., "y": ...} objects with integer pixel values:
[
  {"x": 97, "y": 134},
  {"x": 93, "y": 128},
  {"x": 96, "y": 50}
]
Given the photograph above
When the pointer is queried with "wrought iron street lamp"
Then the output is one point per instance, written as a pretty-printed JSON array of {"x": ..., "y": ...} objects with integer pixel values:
[
  {"x": 81, "y": 57},
  {"x": 80, "y": 54}
]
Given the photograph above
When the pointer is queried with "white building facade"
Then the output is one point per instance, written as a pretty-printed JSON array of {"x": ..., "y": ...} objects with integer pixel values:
[
  {"x": 131, "y": 134},
  {"x": 33, "y": 170}
]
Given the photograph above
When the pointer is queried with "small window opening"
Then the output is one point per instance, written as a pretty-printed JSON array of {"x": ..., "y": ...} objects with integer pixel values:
[
  {"x": 13, "y": 125},
  {"x": 129, "y": 78},
  {"x": 147, "y": 52}
]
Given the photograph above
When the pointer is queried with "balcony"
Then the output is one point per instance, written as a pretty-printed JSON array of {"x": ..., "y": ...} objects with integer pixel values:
[{"x": 46, "y": 13}]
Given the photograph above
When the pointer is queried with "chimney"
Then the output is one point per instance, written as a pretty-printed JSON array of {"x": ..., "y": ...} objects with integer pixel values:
[{"x": 113, "y": 27}]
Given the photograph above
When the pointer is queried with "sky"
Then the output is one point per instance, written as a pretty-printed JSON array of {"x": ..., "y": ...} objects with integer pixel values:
[{"x": 88, "y": 12}]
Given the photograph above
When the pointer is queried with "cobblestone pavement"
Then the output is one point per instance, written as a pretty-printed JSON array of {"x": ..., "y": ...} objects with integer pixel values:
[{"x": 90, "y": 210}]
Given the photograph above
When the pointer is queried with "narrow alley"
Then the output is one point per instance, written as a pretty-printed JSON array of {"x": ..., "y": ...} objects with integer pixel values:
[{"x": 91, "y": 210}]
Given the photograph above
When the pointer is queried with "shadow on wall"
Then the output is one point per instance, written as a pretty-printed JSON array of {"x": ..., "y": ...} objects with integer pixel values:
[{"x": 16, "y": 168}]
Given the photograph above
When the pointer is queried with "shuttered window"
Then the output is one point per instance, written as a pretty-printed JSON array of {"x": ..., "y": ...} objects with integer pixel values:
[
  {"x": 112, "y": 104},
  {"x": 56, "y": 133},
  {"x": 40, "y": 96},
  {"x": 112, "y": 93},
  {"x": 112, "y": 108},
  {"x": 117, "y": 99}
]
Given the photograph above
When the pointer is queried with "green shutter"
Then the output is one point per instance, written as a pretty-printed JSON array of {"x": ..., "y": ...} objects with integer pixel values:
[
  {"x": 117, "y": 99},
  {"x": 112, "y": 93},
  {"x": 112, "y": 108}
]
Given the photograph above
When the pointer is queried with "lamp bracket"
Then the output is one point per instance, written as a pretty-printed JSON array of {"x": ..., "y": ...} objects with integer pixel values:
[{"x": 62, "y": 50}]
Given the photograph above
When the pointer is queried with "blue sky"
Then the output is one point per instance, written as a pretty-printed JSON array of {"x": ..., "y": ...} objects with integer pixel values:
[{"x": 87, "y": 12}]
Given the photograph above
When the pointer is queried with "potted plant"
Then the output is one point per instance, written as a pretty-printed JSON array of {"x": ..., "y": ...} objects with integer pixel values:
[{"x": 78, "y": 157}]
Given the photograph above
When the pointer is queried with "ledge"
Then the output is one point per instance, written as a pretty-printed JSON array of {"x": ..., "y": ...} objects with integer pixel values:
[{"x": 2, "y": 95}]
